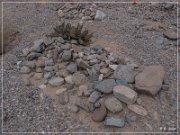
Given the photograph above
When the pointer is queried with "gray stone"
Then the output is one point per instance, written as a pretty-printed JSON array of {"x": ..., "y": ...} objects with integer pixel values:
[
  {"x": 113, "y": 105},
  {"x": 86, "y": 18},
  {"x": 26, "y": 80},
  {"x": 113, "y": 67},
  {"x": 56, "y": 81},
  {"x": 74, "y": 42},
  {"x": 94, "y": 96},
  {"x": 125, "y": 94},
  {"x": 63, "y": 98},
  {"x": 90, "y": 57},
  {"x": 93, "y": 61},
  {"x": 59, "y": 91},
  {"x": 171, "y": 34},
  {"x": 88, "y": 92},
  {"x": 30, "y": 64},
  {"x": 25, "y": 70},
  {"x": 48, "y": 68},
  {"x": 106, "y": 86},
  {"x": 66, "y": 47},
  {"x": 74, "y": 109},
  {"x": 129, "y": 119},
  {"x": 33, "y": 55},
  {"x": 101, "y": 57},
  {"x": 66, "y": 56},
  {"x": 49, "y": 62},
  {"x": 100, "y": 15},
  {"x": 122, "y": 82},
  {"x": 124, "y": 73},
  {"x": 99, "y": 114},
  {"x": 38, "y": 46},
  {"x": 85, "y": 105},
  {"x": 69, "y": 80},
  {"x": 48, "y": 75},
  {"x": 110, "y": 121},
  {"x": 82, "y": 64},
  {"x": 60, "y": 40},
  {"x": 72, "y": 68}
]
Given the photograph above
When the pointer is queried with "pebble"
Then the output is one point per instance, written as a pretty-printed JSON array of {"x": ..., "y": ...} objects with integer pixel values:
[
  {"x": 113, "y": 67},
  {"x": 99, "y": 15},
  {"x": 94, "y": 96},
  {"x": 41, "y": 62},
  {"x": 74, "y": 109},
  {"x": 122, "y": 82},
  {"x": 138, "y": 109},
  {"x": 69, "y": 80},
  {"x": 104, "y": 70},
  {"x": 139, "y": 101},
  {"x": 100, "y": 77},
  {"x": 79, "y": 78},
  {"x": 38, "y": 76},
  {"x": 59, "y": 91},
  {"x": 48, "y": 75},
  {"x": 66, "y": 56},
  {"x": 49, "y": 62},
  {"x": 110, "y": 121},
  {"x": 63, "y": 98},
  {"x": 125, "y": 94},
  {"x": 85, "y": 105},
  {"x": 99, "y": 114},
  {"x": 171, "y": 34},
  {"x": 88, "y": 92},
  {"x": 72, "y": 68},
  {"x": 33, "y": 55},
  {"x": 129, "y": 119},
  {"x": 48, "y": 68},
  {"x": 25, "y": 70},
  {"x": 38, "y": 46},
  {"x": 26, "y": 80},
  {"x": 113, "y": 105},
  {"x": 30, "y": 64},
  {"x": 56, "y": 81},
  {"x": 86, "y": 18},
  {"x": 106, "y": 86}
]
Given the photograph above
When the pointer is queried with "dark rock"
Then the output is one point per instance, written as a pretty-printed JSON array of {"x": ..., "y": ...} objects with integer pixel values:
[
  {"x": 33, "y": 55},
  {"x": 38, "y": 46},
  {"x": 48, "y": 68},
  {"x": 85, "y": 105},
  {"x": 66, "y": 56},
  {"x": 72, "y": 68},
  {"x": 122, "y": 82},
  {"x": 94, "y": 96},
  {"x": 63, "y": 98},
  {"x": 48, "y": 75},
  {"x": 99, "y": 114},
  {"x": 79, "y": 78},
  {"x": 106, "y": 86},
  {"x": 129, "y": 119}
]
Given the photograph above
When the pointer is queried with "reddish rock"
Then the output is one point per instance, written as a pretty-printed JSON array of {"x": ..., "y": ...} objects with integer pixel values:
[{"x": 99, "y": 114}]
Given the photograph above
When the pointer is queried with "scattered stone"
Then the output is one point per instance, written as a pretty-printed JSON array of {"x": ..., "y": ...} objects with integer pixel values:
[
  {"x": 38, "y": 76},
  {"x": 171, "y": 34},
  {"x": 100, "y": 77},
  {"x": 124, "y": 73},
  {"x": 138, "y": 109},
  {"x": 99, "y": 15},
  {"x": 74, "y": 42},
  {"x": 110, "y": 121},
  {"x": 125, "y": 94},
  {"x": 41, "y": 62},
  {"x": 67, "y": 46},
  {"x": 79, "y": 78},
  {"x": 60, "y": 40},
  {"x": 48, "y": 40},
  {"x": 122, "y": 82},
  {"x": 48, "y": 68},
  {"x": 113, "y": 67},
  {"x": 101, "y": 57},
  {"x": 93, "y": 61},
  {"x": 150, "y": 79},
  {"x": 30, "y": 64},
  {"x": 63, "y": 98},
  {"x": 48, "y": 75},
  {"x": 85, "y": 105},
  {"x": 165, "y": 87},
  {"x": 80, "y": 91},
  {"x": 74, "y": 109},
  {"x": 113, "y": 105},
  {"x": 42, "y": 86},
  {"x": 139, "y": 101},
  {"x": 59, "y": 91},
  {"x": 49, "y": 62},
  {"x": 82, "y": 64},
  {"x": 69, "y": 80},
  {"x": 88, "y": 92},
  {"x": 90, "y": 57},
  {"x": 56, "y": 81},
  {"x": 99, "y": 114},
  {"x": 64, "y": 73},
  {"x": 106, "y": 86},
  {"x": 86, "y": 18},
  {"x": 72, "y": 68},
  {"x": 39, "y": 70},
  {"x": 25, "y": 70},
  {"x": 94, "y": 96},
  {"x": 129, "y": 119},
  {"x": 33, "y": 55},
  {"x": 38, "y": 46},
  {"x": 104, "y": 70},
  {"x": 66, "y": 56}
]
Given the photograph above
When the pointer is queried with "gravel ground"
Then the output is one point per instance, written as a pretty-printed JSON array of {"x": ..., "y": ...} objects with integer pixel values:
[{"x": 26, "y": 110}]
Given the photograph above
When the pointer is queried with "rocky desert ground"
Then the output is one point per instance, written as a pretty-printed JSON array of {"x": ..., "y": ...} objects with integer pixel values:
[{"x": 90, "y": 68}]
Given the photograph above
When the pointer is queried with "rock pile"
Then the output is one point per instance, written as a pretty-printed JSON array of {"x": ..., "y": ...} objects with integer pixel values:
[
  {"x": 103, "y": 83},
  {"x": 81, "y": 12}
]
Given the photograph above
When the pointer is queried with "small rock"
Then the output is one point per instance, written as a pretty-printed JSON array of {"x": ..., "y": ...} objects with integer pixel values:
[
  {"x": 99, "y": 114},
  {"x": 74, "y": 42},
  {"x": 80, "y": 91},
  {"x": 69, "y": 80},
  {"x": 48, "y": 68},
  {"x": 100, "y": 77},
  {"x": 85, "y": 105},
  {"x": 56, "y": 81},
  {"x": 113, "y": 67},
  {"x": 39, "y": 70},
  {"x": 101, "y": 57},
  {"x": 94, "y": 96},
  {"x": 30, "y": 64},
  {"x": 59, "y": 91},
  {"x": 49, "y": 62},
  {"x": 60, "y": 13},
  {"x": 82, "y": 64},
  {"x": 124, "y": 73},
  {"x": 150, "y": 79},
  {"x": 33, "y": 55},
  {"x": 130, "y": 119},
  {"x": 79, "y": 78},
  {"x": 93, "y": 61},
  {"x": 38, "y": 46},
  {"x": 138, "y": 109},
  {"x": 66, "y": 47},
  {"x": 104, "y": 70},
  {"x": 106, "y": 86},
  {"x": 41, "y": 62},
  {"x": 25, "y": 70},
  {"x": 165, "y": 87},
  {"x": 122, "y": 82},
  {"x": 38, "y": 76},
  {"x": 48, "y": 75},
  {"x": 86, "y": 18},
  {"x": 139, "y": 101},
  {"x": 74, "y": 109},
  {"x": 171, "y": 34},
  {"x": 66, "y": 55},
  {"x": 125, "y": 94},
  {"x": 72, "y": 68},
  {"x": 99, "y": 15},
  {"x": 48, "y": 40},
  {"x": 88, "y": 92},
  {"x": 113, "y": 105},
  {"x": 90, "y": 57},
  {"x": 63, "y": 98},
  {"x": 63, "y": 73},
  {"x": 110, "y": 121},
  {"x": 42, "y": 86},
  {"x": 60, "y": 40}
]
